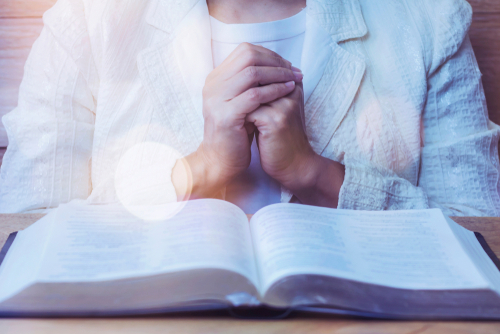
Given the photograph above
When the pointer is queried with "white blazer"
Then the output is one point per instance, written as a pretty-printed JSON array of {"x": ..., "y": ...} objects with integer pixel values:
[{"x": 399, "y": 101}]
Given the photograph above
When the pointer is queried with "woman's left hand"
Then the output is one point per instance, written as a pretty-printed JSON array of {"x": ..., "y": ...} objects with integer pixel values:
[{"x": 286, "y": 154}]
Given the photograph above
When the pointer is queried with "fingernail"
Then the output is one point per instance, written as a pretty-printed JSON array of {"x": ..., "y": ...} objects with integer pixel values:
[
  {"x": 296, "y": 69},
  {"x": 290, "y": 84}
]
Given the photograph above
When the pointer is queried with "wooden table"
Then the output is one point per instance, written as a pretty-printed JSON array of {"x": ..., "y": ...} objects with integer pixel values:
[{"x": 219, "y": 323}]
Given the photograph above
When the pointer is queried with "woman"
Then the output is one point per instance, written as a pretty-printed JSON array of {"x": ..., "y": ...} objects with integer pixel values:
[{"x": 386, "y": 112}]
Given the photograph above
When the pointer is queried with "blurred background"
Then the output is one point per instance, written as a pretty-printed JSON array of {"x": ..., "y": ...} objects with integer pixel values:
[{"x": 21, "y": 23}]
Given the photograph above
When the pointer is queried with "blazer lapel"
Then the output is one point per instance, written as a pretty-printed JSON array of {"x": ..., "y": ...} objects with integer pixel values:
[
  {"x": 332, "y": 74},
  {"x": 342, "y": 71},
  {"x": 174, "y": 68},
  {"x": 316, "y": 53}
]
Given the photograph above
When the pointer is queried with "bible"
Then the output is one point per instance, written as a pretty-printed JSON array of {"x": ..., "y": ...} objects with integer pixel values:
[{"x": 101, "y": 260}]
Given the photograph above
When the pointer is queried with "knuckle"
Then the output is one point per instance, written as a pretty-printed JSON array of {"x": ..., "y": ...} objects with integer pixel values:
[
  {"x": 279, "y": 120},
  {"x": 282, "y": 62},
  {"x": 253, "y": 94},
  {"x": 276, "y": 89},
  {"x": 245, "y": 46},
  {"x": 290, "y": 104},
  {"x": 281, "y": 72},
  {"x": 279, "y": 89},
  {"x": 288, "y": 74},
  {"x": 275, "y": 54},
  {"x": 251, "y": 56},
  {"x": 252, "y": 73}
]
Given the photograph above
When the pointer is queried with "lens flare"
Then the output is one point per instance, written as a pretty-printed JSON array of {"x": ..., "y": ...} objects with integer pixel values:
[
  {"x": 386, "y": 134},
  {"x": 143, "y": 181}
]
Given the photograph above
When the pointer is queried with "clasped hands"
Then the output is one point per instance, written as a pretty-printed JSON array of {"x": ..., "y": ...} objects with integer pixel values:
[{"x": 253, "y": 92}]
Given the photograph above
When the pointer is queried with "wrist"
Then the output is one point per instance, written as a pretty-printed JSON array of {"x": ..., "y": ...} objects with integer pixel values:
[
  {"x": 305, "y": 174},
  {"x": 207, "y": 178},
  {"x": 318, "y": 182},
  {"x": 195, "y": 176}
]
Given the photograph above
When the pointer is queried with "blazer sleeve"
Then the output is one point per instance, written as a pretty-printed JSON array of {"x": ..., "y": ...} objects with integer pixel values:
[
  {"x": 459, "y": 164},
  {"x": 51, "y": 130}
]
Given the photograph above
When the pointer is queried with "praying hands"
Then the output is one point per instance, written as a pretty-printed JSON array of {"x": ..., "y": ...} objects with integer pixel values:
[{"x": 257, "y": 92}]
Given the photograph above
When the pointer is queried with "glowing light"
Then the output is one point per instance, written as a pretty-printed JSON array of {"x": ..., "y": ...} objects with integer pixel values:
[
  {"x": 143, "y": 181},
  {"x": 387, "y": 134}
]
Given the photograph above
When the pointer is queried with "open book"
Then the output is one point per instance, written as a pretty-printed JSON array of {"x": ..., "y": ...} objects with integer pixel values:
[{"x": 102, "y": 260}]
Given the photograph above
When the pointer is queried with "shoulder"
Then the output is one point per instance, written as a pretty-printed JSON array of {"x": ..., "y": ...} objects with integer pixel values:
[
  {"x": 88, "y": 28},
  {"x": 443, "y": 26},
  {"x": 440, "y": 26},
  {"x": 76, "y": 16}
]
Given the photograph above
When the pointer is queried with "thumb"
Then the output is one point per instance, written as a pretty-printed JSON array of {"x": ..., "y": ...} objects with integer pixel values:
[{"x": 260, "y": 117}]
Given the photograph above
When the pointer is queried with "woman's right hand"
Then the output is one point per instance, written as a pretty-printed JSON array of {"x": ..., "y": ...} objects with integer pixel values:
[{"x": 250, "y": 76}]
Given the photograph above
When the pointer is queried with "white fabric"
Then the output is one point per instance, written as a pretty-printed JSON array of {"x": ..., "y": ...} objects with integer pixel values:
[
  {"x": 285, "y": 37},
  {"x": 399, "y": 103},
  {"x": 254, "y": 189}
]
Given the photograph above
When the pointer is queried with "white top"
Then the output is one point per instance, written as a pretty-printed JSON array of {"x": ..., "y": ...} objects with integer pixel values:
[
  {"x": 254, "y": 189},
  {"x": 386, "y": 80}
]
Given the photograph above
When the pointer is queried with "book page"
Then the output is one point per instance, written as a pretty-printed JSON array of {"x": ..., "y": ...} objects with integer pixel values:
[
  {"x": 476, "y": 252},
  {"x": 93, "y": 243},
  {"x": 401, "y": 249},
  {"x": 20, "y": 266}
]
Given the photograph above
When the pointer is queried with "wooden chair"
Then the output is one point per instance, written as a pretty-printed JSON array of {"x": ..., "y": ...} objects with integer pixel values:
[{"x": 21, "y": 23}]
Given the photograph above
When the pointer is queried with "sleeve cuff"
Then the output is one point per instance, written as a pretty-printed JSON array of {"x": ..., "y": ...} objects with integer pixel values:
[{"x": 367, "y": 189}]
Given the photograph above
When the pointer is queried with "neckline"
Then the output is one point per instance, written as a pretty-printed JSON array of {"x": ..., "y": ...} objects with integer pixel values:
[{"x": 258, "y": 32}]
